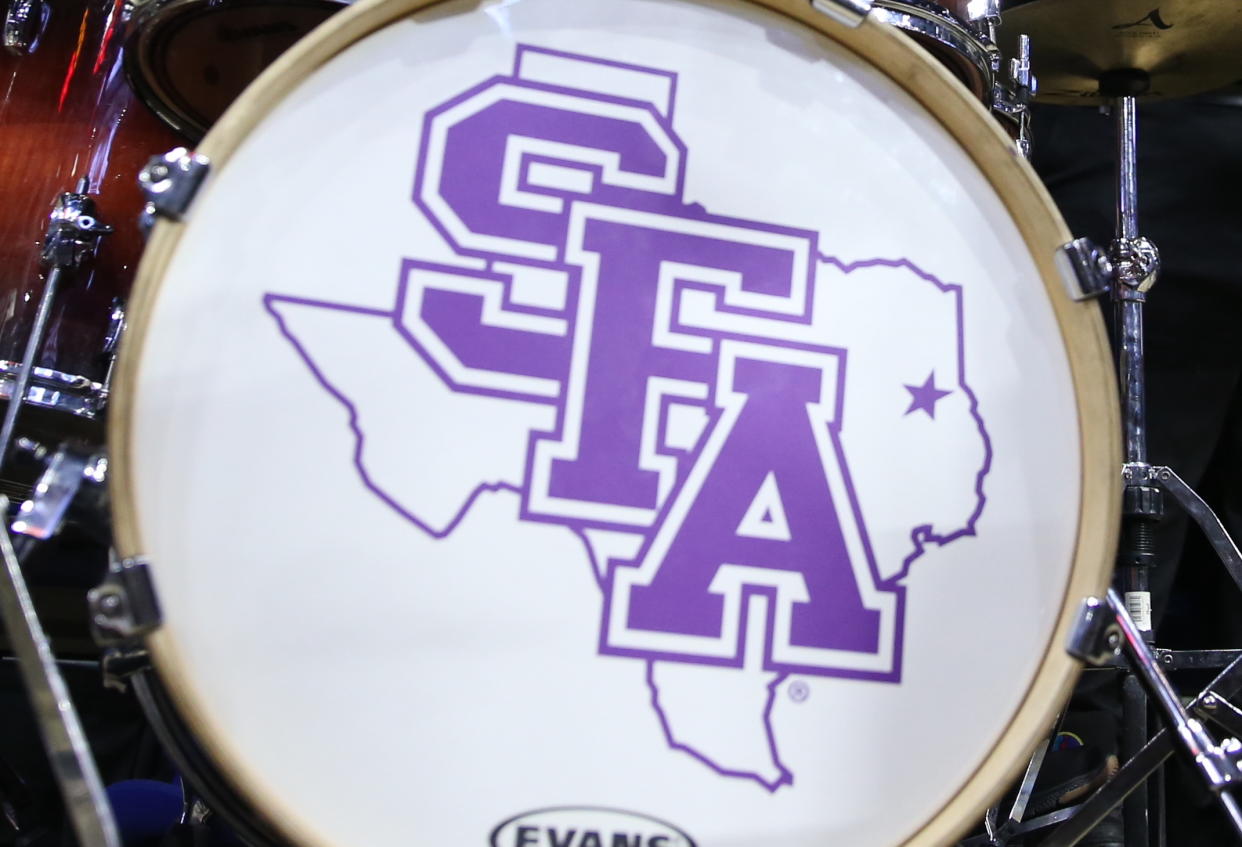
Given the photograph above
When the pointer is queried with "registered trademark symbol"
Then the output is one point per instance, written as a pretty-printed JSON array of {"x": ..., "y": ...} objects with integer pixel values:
[{"x": 799, "y": 691}]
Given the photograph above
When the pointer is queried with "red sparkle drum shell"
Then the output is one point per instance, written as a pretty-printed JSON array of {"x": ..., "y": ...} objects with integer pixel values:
[{"x": 67, "y": 112}]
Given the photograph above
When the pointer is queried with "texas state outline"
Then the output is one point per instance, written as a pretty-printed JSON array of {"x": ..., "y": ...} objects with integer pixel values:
[{"x": 921, "y": 535}]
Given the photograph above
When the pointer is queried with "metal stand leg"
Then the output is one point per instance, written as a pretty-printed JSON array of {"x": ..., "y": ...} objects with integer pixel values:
[
  {"x": 1134, "y": 735},
  {"x": 1129, "y": 273},
  {"x": 68, "y": 752},
  {"x": 1103, "y": 630},
  {"x": 1155, "y": 805}
]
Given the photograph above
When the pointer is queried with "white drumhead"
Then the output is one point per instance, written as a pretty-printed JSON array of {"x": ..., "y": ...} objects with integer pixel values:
[{"x": 562, "y": 406}]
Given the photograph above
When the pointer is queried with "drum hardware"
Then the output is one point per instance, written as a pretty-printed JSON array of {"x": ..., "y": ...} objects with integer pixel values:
[
  {"x": 1103, "y": 630},
  {"x": 1227, "y": 684},
  {"x": 1011, "y": 98},
  {"x": 85, "y": 664},
  {"x": 847, "y": 12},
  {"x": 1146, "y": 478},
  {"x": 53, "y": 389},
  {"x": 73, "y": 235},
  {"x": 958, "y": 46},
  {"x": 984, "y": 17},
  {"x": 1181, "y": 660},
  {"x": 71, "y": 488},
  {"x": 124, "y": 607},
  {"x": 967, "y": 47},
  {"x": 997, "y": 833},
  {"x": 1218, "y": 764},
  {"x": 1085, "y": 268},
  {"x": 169, "y": 183},
  {"x": 112, "y": 339},
  {"x": 68, "y": 752},
  {"x": 1096, "y": 638},
  {"x": 119, "y": 663},
  {"x": 24, "y": 22},
  {"x": 1128, "y": 271},
  {"x": 1136, "y": 265},
  {"x": 1219, "y": 710},
  {"x": 116, "y": 327}
]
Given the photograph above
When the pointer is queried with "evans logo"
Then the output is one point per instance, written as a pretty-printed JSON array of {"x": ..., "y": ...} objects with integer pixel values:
[{"x": 587, "y": 826}]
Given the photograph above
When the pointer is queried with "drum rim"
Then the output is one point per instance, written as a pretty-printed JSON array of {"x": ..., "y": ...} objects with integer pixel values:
[
  {"x": 1025, "y": 199},
  {"x": 938, "y": 24}
]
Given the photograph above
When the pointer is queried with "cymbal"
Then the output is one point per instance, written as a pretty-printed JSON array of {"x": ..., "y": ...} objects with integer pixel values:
[{"x": 1149, "y": 48}]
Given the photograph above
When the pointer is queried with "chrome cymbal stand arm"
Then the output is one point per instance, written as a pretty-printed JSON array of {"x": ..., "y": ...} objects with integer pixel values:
[
  {"x": 63, "y": 736},
  {"x": 73, "y": 235}
]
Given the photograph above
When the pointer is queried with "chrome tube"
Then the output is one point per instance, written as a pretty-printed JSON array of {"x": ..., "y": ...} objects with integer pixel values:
[
  {"x": 34, "y": 344},
  {"x": 63, "y": 737},
  {"x": 1131, "y": 379},
  {"x": 1129, "y": 300},
  {"x": 1125, "y": 113}
]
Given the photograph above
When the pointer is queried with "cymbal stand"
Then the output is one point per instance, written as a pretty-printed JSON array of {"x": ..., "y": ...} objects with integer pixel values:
[
  {"x": 1135, "y": 266},
  {"x": 1107, "y": 627}
]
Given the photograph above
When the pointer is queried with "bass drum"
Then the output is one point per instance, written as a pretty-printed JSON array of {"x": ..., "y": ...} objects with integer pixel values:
[{"x": 599, "y": 422}]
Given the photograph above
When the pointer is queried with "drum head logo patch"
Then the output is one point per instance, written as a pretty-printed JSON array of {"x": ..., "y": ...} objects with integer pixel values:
[{"x": 669, "y": 383}]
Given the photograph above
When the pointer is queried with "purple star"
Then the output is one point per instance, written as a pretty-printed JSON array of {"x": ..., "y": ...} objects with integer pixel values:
[{"x": 926, "y": 396}]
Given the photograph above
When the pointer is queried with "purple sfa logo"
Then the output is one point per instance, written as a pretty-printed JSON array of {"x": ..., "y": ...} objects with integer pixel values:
[{"x": 692, "y": 407}]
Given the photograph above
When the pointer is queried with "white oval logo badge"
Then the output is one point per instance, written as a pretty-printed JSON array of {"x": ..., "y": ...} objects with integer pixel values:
[{"x": 587, "y": 826}]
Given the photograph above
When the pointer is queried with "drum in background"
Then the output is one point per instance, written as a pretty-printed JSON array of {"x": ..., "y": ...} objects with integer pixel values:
[
  {"x": 189, "y": 59},
  {"x": 942, "y": 30},
  {"x": 678, "y": 433},
  {"x": 67, "y": 113}
]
